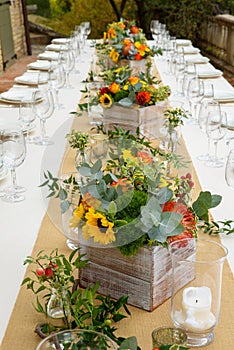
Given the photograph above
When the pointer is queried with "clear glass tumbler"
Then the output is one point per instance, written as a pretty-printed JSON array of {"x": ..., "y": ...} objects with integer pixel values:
[{"x": 195, "y": 306}]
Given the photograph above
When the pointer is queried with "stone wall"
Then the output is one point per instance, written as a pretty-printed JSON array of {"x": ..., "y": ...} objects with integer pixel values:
[
  {"x": 217, "y": 41},
  {"x": 18, "y": 31}
]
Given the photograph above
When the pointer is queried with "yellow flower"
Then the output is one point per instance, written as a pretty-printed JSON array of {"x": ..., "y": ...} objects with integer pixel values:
[
  {"x": 133, "y": 80},
  {"x": 127, "y": 155},
  {"x": 98, "y": 228},
  {"x": 77, "y": 216},
  {"x": 106, "y": 101},
  {"x": 137, "y": 44},
  {"x": 114, "y": 55},
  {"x": 162, "y": 182},
  {"x": 125, "y": 87}
]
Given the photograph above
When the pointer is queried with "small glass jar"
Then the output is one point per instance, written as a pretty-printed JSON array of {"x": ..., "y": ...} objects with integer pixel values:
[{"x": 168, "y": 336}]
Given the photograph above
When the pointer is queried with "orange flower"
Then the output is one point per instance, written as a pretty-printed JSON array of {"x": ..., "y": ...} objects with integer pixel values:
[
  {"x": 138, "y": 57},
  {"x": 143, "y": 97},
  {"x": 114, "y": 87},
  {"x": 188, "y": 220},
  {"x": 112, "y": 33},
  {"x": 145, "y": 156},
  {"x": 133, "y": 80},
  {"x": 124, "y": 183}
]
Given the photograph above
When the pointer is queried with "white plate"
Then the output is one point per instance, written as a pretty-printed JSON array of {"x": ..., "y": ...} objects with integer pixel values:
[
  {"x": 17, "y": 95},
  {"x": 31, "y": 79},
  {"x": 224, "y": 96},
  {"x": 216, "y": 73},
  {"x": 183, "y": 42},
  {"x": 190, "y": 50},
  {"x": 60, "y": 41},
  {"x": 3, "y": 173},
  {"x": 49, "y": 55},
  {"x": 197, "y": 59},
  {"x": 56, "y": 47},
  {"x": 40, "y": 65}
]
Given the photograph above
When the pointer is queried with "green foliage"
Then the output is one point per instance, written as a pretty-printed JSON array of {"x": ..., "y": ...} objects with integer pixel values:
[
  {"x": 88, "y": 309},
  {"x": 43, "y": 7}
]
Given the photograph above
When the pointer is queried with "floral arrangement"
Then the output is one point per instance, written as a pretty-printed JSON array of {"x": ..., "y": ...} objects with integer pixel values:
[
  {"x": 129, "y": 201},
  {"x": 126, "y": 89},
  {"x": 127, "y": 41}
]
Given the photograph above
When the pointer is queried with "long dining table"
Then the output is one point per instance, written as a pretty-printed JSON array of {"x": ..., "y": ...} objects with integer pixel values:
[{"x": 29, "y": 226}]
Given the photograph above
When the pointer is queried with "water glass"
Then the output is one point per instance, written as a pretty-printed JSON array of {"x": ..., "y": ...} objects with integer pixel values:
[{"x": 229, "y": 169}]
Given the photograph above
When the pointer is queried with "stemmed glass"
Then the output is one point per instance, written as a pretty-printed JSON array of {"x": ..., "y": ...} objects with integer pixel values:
[
  {"x": 27, "y": 116},
  {"x": 156, "y": 31},
  {"x": 229, "y": 169},
  {"x": 67, "y": 60},
  {"x": 56, "y": 82},
  {"x": 207, "y": 107},
  {"x": 195, "y": 94},
  {"x": 216, "y": 132},
  {"x": 179, "y": 75},
  {"x": 43, "y": 108},
  {"x": 13, "y": 155}
]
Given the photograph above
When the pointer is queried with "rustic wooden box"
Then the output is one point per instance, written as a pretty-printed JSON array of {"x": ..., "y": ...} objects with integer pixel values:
[
  {"x": 146, "y": 278},
  {"x": 148, "y": 119},
  {"x": 136, "y": 66}
]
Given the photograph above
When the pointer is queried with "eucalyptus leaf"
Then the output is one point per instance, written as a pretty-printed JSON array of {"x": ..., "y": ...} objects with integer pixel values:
[
  {"x": 64, "y": 205},
  {"x": 129, "y": 344},
  {"x": 164, "y": 194},
  {"x": 96, "y": 167},
  {"x": 112, "y": 208},
  {"x": 171, "y": 223},
  {"x": 125, "y": 102},
  {"x": 85, "y": 171}
]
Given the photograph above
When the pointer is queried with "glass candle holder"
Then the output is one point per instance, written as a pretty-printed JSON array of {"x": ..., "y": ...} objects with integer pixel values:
[
  {"x": 77, "y": 339},
  {"x": 99, "y": 146},
  {"x": 168, "y": 336},
  {"x": 195, "y": 308}
]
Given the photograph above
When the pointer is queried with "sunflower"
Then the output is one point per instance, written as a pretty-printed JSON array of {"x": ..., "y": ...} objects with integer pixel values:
[
  {"x": 77, "y": 216},
  {"x": 98, "y": 228},
  {"x": 106, "y": 101}
]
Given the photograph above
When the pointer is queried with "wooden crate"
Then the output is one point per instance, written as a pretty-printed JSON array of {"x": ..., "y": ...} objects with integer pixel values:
[
  {"x": 148, "y": 119},
  {"x": 146, "y": 278},
  {"x": 136, "y": 66}
]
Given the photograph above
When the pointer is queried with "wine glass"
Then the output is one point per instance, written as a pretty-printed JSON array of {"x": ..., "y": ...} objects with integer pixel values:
[
  {"x": 43, "y": 108},
  {"x": 56, "y": 82},
  {"x": 67, "y": 60},
  {"x": 27, "y": 116},
  {"x": 195, "y": 94},
  {"x": 229, "y": 169},
  {"x": 206, "y": 107},
  {"x": 13, "y": 155},
  {"x": 216, "y": 132}
]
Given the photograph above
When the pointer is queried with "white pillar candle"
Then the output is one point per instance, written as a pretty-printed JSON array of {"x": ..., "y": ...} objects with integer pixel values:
[{"x": 196, "y": 307}]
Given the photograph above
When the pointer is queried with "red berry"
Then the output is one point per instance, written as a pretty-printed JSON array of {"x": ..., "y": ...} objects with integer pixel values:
[
  {"x": 189, "y": 176},
  {"x": 49, "y": 272},
  {"x": 40, "y": 271}
]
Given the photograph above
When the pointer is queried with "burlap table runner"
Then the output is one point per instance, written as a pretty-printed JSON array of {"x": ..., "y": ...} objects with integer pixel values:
[{"x": 20, "y": 331}]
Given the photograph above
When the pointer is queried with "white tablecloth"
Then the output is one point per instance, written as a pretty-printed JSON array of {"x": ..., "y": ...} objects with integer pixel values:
[{"x": 20, "y": 222}]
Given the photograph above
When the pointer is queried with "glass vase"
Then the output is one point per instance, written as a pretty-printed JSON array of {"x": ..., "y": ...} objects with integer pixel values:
[
  {"x": 172, "y": 139},
  {"x": 58, "y": 308},
  {"x": 81, "y": 157},
  {"x": 195, "y": 308}
]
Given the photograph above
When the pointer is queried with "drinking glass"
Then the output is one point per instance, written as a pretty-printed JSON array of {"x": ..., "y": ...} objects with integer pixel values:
[
  {"x": 13, "y": 155},
  {"x": 56, "y": 82},
  {"x": 179, "y": 75},
  {"x": 95, "y": 111},
  {"x": 229, "y": 169},
  {"x": 207, "y": 107},
  {"x": 27, "y": 116},
  {"x": 216, "y": 131},
  {"x": 67, "y": 60},
  {"x": 195, "y": 306},
  {"x": 195, "y": 92},
  {"x": 43, "y": 108}
]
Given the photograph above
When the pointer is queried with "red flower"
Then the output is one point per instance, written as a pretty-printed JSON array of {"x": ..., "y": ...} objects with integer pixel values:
[
  {"x": 134, "y": 29},
  {"x": 188, "y": 220},
  {"x": 138, "y": 57},
  {"x": 142, "y": 98},
  {"x": 49, "y": 272},
  {"x": 104, "y": 90},
  {"x": 55, "y": 266}
]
